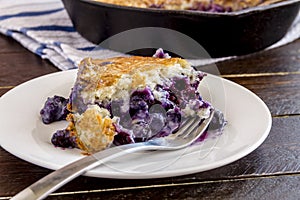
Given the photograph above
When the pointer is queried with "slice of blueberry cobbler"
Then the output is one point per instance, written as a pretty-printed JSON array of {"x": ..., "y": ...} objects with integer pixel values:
[{"x": 125, "y": 100}]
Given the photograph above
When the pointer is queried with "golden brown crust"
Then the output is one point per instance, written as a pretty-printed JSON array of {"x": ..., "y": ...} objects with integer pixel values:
[
  {"x": 187, "y": 4},
  {"x": 109, "y": 71},
  {"x": 147, "y": 3},
  {"x": 93, "y": 131}
]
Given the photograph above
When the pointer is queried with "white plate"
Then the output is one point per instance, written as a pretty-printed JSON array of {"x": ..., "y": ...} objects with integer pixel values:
[{"x": 23, "y": 134}]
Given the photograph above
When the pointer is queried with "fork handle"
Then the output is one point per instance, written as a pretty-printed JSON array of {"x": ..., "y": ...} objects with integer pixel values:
[{"x": 42, "y": 188}]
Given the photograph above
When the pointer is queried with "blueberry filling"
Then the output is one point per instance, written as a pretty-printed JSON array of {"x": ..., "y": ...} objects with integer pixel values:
[
  {"x": 156, "y": 115},
  {"x": 211, "y": 7},
  {"x": 156, "y": 6},
  {"x": 200, "y": 6}
]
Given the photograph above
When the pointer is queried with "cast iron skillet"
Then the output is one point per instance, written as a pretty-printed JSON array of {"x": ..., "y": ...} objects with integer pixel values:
[{"x": 220, "y": 34}]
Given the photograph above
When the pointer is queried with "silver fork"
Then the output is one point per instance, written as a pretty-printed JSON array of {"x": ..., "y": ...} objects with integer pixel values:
[{"x": 189, "y": 132}]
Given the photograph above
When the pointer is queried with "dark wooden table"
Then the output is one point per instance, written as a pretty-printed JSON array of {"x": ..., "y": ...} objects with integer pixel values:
[{"x": 270, "y": 172}]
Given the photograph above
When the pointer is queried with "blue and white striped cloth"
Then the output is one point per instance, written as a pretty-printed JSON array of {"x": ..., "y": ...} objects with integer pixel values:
[{"x": 44, "y": 28}]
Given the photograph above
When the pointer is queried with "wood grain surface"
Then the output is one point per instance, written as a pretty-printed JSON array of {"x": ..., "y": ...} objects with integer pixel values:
[{"x": 272, "y": 171}]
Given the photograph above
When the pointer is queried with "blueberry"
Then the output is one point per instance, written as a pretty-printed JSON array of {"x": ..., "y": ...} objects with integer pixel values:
[
  {"x": 161, "y": 54},
  {"x": 140, "y": 102},
  {"x": 54, "y": 109},
  {"x": 173, "y": 119},
  {"x": 62, "y": 138},
  {"x": 172, "y": 122},
  {"x": 211, "y": 7},
  {"x": 156, "y": 6},
  {"x": 123, "y": 136},
  {"x": 145, "y": 94},
  {"x": 205, "y": 104}
]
